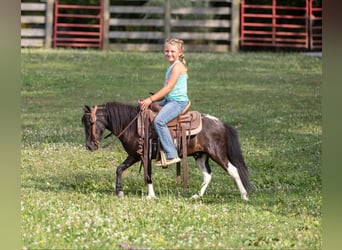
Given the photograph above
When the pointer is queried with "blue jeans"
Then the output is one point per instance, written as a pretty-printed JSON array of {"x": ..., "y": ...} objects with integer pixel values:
[{"x": 170, "y": 110}]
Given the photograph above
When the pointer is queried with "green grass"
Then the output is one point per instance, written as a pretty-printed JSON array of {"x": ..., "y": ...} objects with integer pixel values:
[{"x": 67, "y": 201}]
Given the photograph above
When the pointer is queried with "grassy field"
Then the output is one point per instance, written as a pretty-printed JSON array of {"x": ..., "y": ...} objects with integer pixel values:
[{"x": 67, "y": 201}]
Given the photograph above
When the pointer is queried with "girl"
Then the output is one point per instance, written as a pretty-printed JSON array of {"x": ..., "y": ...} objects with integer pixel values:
[{"x": 175, "y": 97}]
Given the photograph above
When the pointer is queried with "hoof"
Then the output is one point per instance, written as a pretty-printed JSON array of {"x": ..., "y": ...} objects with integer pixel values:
[
  {"x": 120, "y": 194},
  {"x": 244, "y": 197},
  {"x": 151, "y": 197},
  {"x": 195, "y": 197}
]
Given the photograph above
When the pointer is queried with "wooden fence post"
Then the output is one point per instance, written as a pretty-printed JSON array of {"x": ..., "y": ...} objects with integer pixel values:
[
  {"x": 167, "y": 19},
  {"x": 49, "y": 23},
  {"x": 235, "y": 26},
  {"x": 106, "y": 20}
]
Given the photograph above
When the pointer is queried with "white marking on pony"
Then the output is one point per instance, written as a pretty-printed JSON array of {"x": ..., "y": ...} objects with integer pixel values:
[
  {"x": 232, "y": 170},
  {"x": 206, "y": 176},
  {"x": 212, "y": 117},
  {"x": 151, "y": 193}
]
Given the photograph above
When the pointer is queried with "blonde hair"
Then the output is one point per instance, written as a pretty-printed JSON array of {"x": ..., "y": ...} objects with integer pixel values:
[{"x": 180, "y": 45}]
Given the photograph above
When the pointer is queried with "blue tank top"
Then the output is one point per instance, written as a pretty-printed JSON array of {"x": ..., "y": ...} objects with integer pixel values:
[{"x": 179, "y": 91}]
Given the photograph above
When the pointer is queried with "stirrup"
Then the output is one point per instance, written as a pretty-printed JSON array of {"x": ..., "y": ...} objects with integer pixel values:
[
  {"x": 162, "y": 158},
  {"x": 164, "y": 162}
]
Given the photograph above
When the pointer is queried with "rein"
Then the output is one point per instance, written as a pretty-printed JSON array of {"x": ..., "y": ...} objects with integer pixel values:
[
  {"x": 93, "y": 129},
  {"x": 123, "y": 131}
]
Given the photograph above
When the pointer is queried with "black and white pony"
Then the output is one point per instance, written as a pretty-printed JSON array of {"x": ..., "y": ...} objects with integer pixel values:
[{"x": 217, "y": 141}]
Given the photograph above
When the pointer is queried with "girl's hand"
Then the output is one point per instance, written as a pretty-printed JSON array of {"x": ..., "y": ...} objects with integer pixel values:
[{"x": 145, "y": 103}]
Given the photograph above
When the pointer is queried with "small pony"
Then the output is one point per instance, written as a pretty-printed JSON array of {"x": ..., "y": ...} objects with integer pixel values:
[{"x": 217, "y": 141}]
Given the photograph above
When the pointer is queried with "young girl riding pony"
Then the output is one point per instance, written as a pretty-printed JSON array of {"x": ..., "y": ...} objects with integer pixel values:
[{"x": 174, "y": 95}]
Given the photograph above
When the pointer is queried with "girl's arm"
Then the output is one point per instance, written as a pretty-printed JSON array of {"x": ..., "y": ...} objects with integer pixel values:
[{"x": 176, "y": 71}]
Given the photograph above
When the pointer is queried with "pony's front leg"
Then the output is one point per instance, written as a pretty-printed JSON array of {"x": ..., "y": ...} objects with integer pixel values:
[
  {"x": 151, "y": 193},
  {"x": 119, "y": 170}
]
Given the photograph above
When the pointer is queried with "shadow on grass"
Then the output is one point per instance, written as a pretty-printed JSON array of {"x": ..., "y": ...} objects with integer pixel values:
[
  {"x": 165, "y": 185},
  {"x": 80, "y": 182}
]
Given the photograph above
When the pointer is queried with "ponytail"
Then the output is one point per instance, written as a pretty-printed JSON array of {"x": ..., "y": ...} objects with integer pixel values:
[{"x": 182, "y": 58}]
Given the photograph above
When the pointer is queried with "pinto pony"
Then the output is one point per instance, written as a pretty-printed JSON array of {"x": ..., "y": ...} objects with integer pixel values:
[{"x": 217, "y": 141}]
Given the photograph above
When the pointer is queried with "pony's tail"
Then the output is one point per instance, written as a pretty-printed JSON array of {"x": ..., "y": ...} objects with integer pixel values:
[{"x": 235, "y": 156}]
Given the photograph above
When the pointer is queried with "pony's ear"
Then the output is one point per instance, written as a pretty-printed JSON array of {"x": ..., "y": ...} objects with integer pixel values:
[{"x": 86, "y": 108}]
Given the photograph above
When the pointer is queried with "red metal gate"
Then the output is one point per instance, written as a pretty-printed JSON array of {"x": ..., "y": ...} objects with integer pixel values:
[
  {"x": 78, "y": 25},
  {"x": 315, "y": 26},
  {"x": 281, "y": 26}
]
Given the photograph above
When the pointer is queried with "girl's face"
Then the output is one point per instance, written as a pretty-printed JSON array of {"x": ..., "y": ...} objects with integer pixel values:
[{"x": 171, "y": 52}]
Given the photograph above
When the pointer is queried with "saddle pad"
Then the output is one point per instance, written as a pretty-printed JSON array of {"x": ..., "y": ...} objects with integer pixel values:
[{"x": 191, "y": 122}]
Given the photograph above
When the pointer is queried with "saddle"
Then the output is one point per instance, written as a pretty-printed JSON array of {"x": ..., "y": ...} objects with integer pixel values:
[{"x": 188, "y": 123}]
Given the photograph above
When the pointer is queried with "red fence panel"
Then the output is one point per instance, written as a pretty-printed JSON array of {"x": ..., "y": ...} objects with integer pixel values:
[
  {"x": 281, "y": 26},
  {"x": 315, "y": 25},
  {"x": 78, "y": 25}
]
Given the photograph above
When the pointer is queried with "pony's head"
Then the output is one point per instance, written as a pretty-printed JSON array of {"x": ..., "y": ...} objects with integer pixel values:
[{"x": 94, "y": 126}]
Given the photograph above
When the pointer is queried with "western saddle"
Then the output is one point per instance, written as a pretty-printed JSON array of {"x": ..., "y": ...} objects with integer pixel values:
[{"x": 188, "y": 123}]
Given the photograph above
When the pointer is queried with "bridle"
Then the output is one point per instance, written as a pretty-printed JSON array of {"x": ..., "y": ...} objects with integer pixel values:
[
  {"x": 92, "y": 114},
  {"x": 93, "y": 118}
]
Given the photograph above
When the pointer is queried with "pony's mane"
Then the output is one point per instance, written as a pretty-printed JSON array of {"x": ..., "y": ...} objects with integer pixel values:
[{"x": 120, "y": 115}]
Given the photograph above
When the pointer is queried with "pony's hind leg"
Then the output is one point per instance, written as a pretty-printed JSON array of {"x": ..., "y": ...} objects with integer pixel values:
[
  {"x": 203, "y": 165},
  {"x": 233, "y": 171}
]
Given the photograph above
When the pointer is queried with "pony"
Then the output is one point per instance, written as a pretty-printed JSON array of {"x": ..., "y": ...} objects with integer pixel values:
[{"x": 217, "y": 140}]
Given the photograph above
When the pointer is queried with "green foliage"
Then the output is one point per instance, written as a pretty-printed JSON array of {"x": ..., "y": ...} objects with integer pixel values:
[{"x": 274, "y": 101}]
